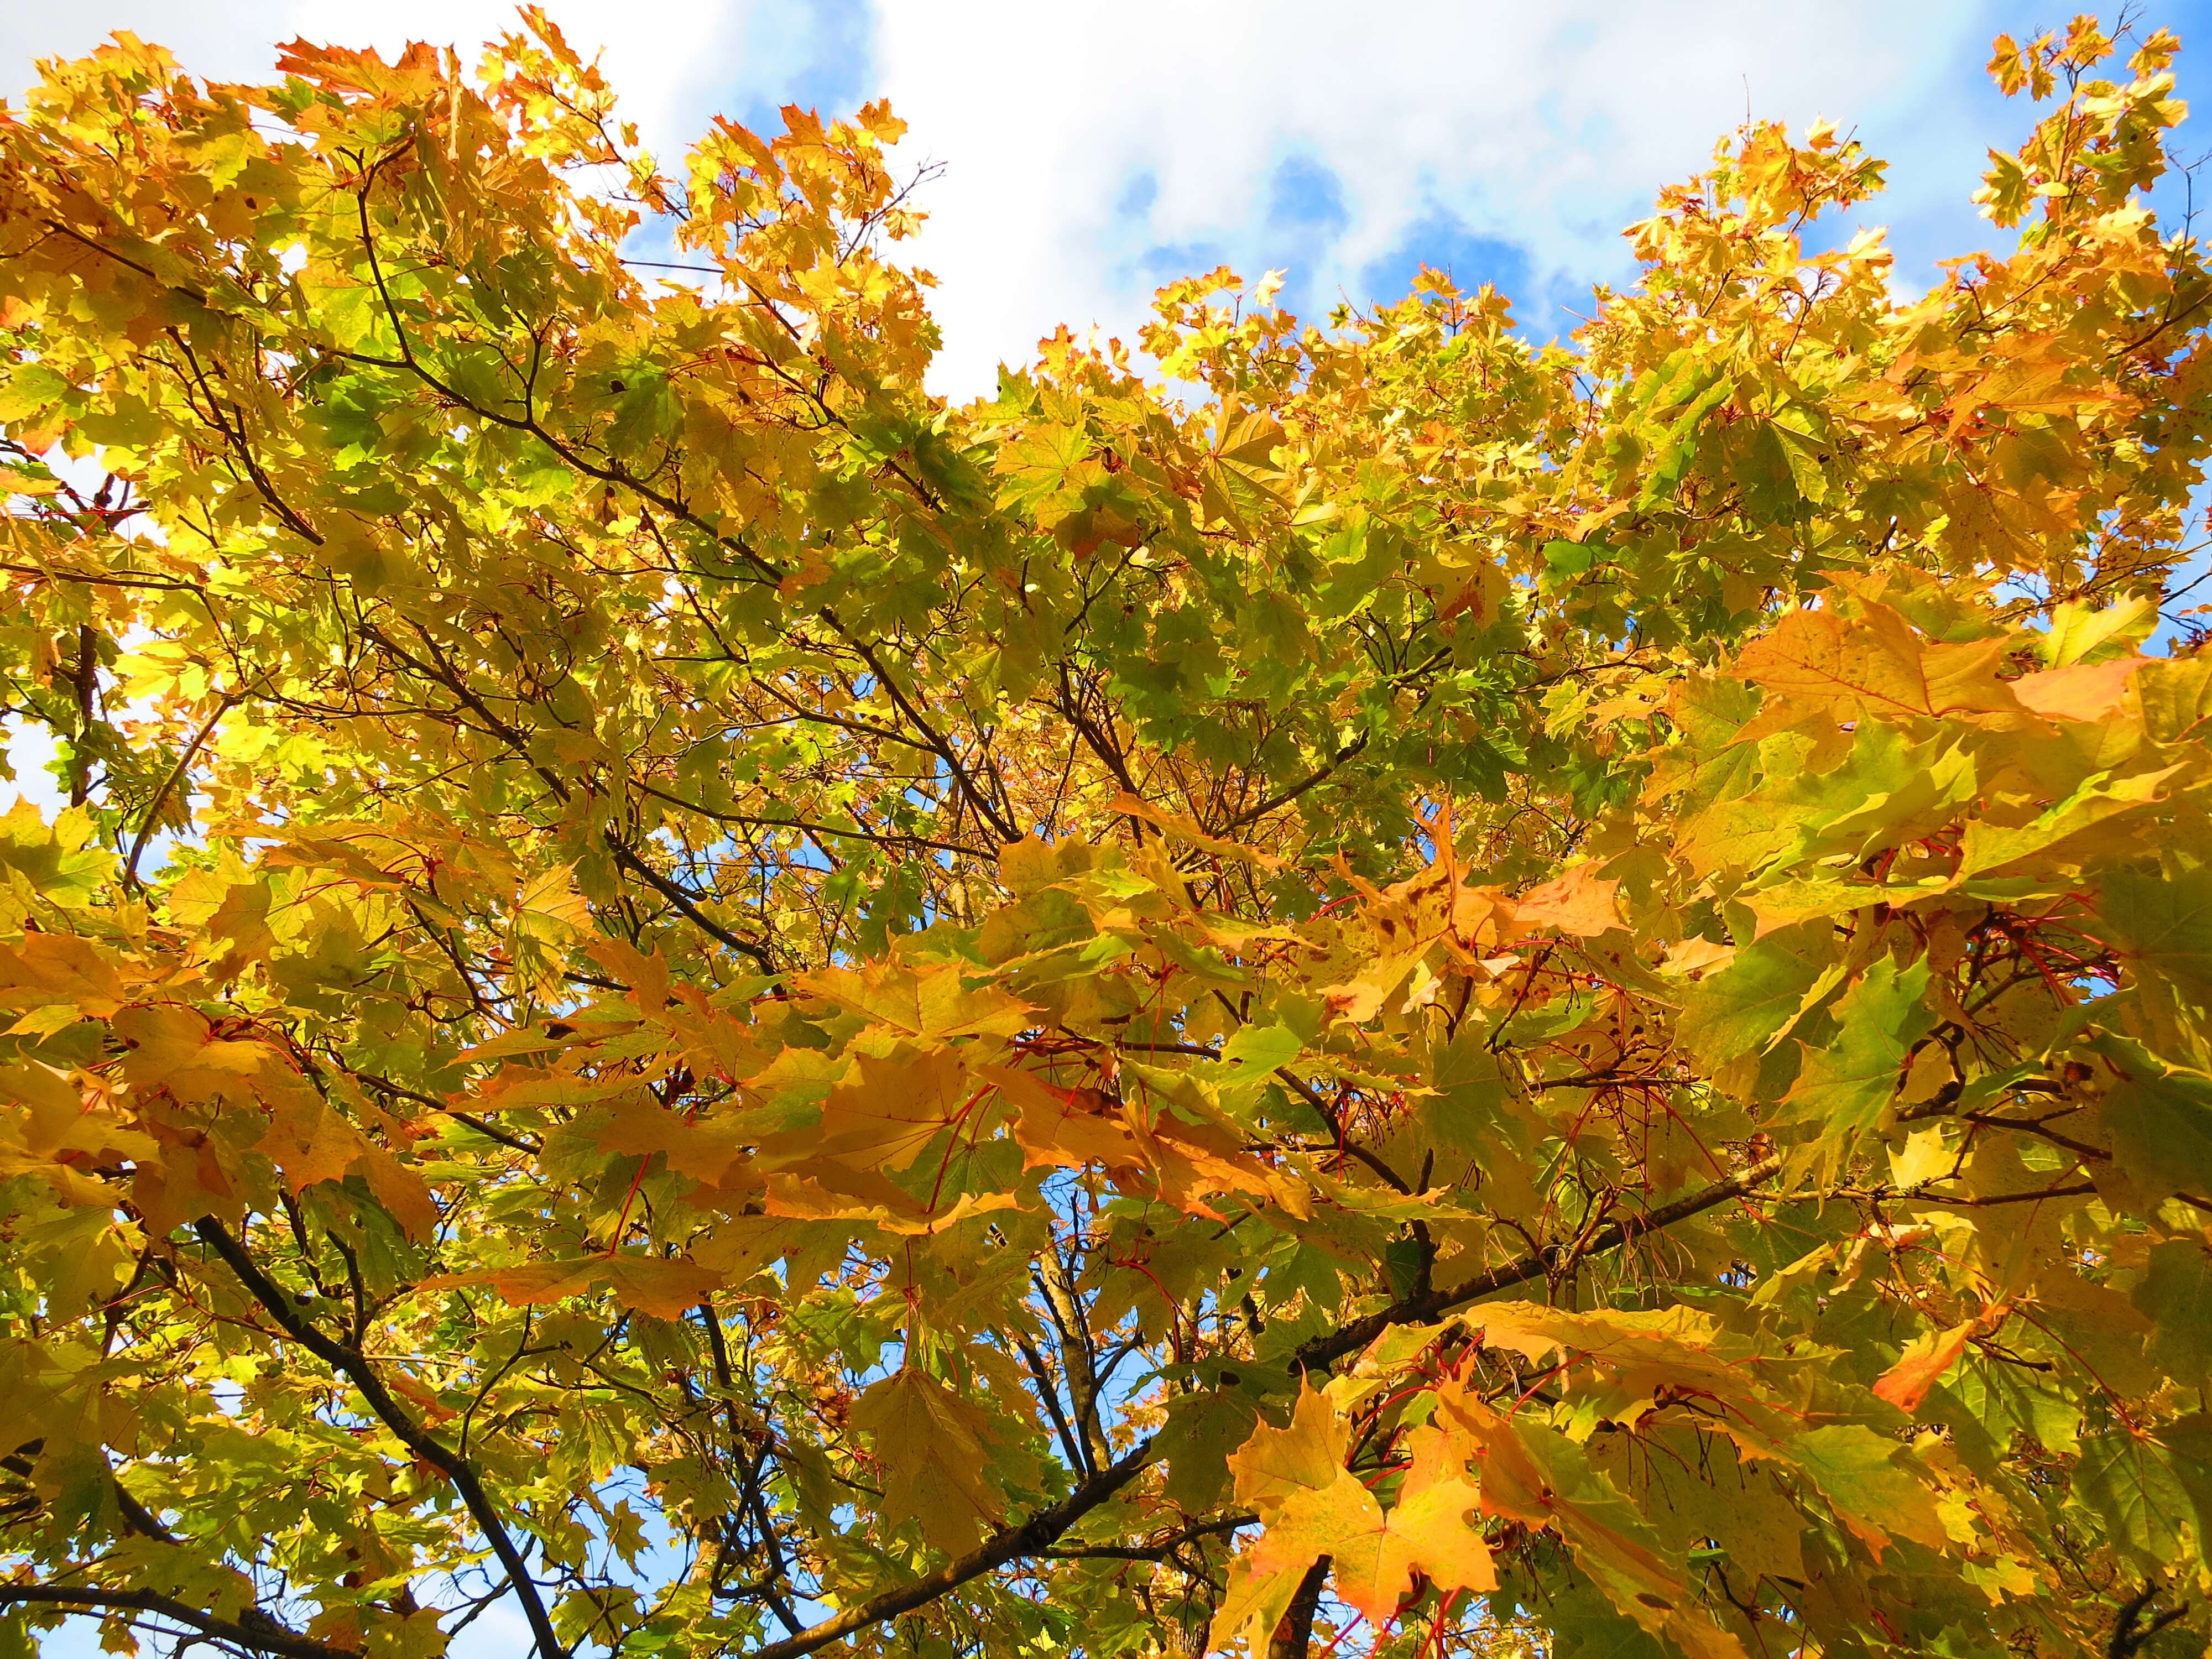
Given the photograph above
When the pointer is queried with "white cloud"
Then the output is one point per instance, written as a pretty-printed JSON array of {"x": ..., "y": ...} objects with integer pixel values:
[
  {"x": 655, "y": 52},
  {"x": 228, "y": 41},
  {"x": 31, "y": 749},
  {"x": 1547, "y": 125},
  {"x": 498, "y": 1632}
]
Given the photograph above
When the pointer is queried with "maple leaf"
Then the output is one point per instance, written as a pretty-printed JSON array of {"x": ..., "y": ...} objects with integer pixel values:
[
  {"x": 61, "y": 968},
  {"x": 1539, "y": 1478},
  {"x": 1433, "y": 1517},
  {"x": 1865, "y": 1477},
  {"x": 1065, "y": 1129},
  {"x": 930, "y": 1002},
  {"x": 1906, "y": 1384},
  {"x": 931, "y": 1448},
  {"x": 1842, "y": 1090},
  {"x": 1311, "y": 1507},
  {"x": 175, "y": 1048},
  {"x": 649, "y": 1283},
  {"x": 309, "y": 1142},
  {"x": 640, "y": 1126},
  {"x": 1579, "y": 902},
  {"x": 2098, "y": 807},
  {"x": 1179, "y": 827},
  {"x": 888, "y": 1110},
  {"x": 2081, "y": 691},
  {"x": 1306, "y": 1456},
  {"x": 1873, "y": 666},
  {"x": 851, "y": 1195}
]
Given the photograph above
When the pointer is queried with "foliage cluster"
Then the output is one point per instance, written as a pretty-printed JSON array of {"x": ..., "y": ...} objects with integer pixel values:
[{"x": 1479, "y": 998}]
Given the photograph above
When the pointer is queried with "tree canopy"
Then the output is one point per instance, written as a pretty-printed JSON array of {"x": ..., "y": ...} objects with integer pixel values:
[{"x": 1358, "y": 987}]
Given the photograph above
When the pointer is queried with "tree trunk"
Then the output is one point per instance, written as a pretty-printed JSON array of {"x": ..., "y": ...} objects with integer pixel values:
[{"x": 1295, "y": 1633}]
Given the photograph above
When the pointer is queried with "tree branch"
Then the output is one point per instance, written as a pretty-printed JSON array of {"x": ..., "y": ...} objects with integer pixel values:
[
  {"x": 255, "y": 1630},
  {"x": 2127, "y": 1638},
  {"x": 1160, "y": 1548},
  {"x": 1293, "y": 1636},
  {"x": 351, "y": 1365},
  {"x": 1322, "y": 1352},
  {"x": 1032, "y": 1537},
  {"x": 689, "y": 911},
  {"x": 1321, "y": 775},
  {"x": 161, "y": 796}
]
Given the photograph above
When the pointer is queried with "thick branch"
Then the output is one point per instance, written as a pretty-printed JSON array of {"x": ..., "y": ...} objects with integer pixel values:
[
  {"x": 683, "y": 901},
  {"x": 1322, "y": 1352},
  {"x": 84, "y": 685},
  {"x": 350, "y": 1363},
  {"x": 1320, "y": 775},
  {"x": 1031, "y": 1538},
  {"x": 256, "y": 1630},
  {"x": 939, "y": 744},
  {"x": 1158, "y": 1550},
  {"x": 1294, "y": 1635},
  {"x": 2127, "y": 1637}
]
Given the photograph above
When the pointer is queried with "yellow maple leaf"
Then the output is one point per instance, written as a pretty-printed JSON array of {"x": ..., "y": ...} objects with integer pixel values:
[{"x": 931, "y": 1447}]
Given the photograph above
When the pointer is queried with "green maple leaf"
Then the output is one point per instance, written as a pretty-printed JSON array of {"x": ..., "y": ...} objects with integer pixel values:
[{"x": 1845, "y": 1086}]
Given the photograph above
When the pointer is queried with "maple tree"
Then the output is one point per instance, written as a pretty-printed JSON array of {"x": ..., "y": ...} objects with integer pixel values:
[{"x": 1383, "y": 988}]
